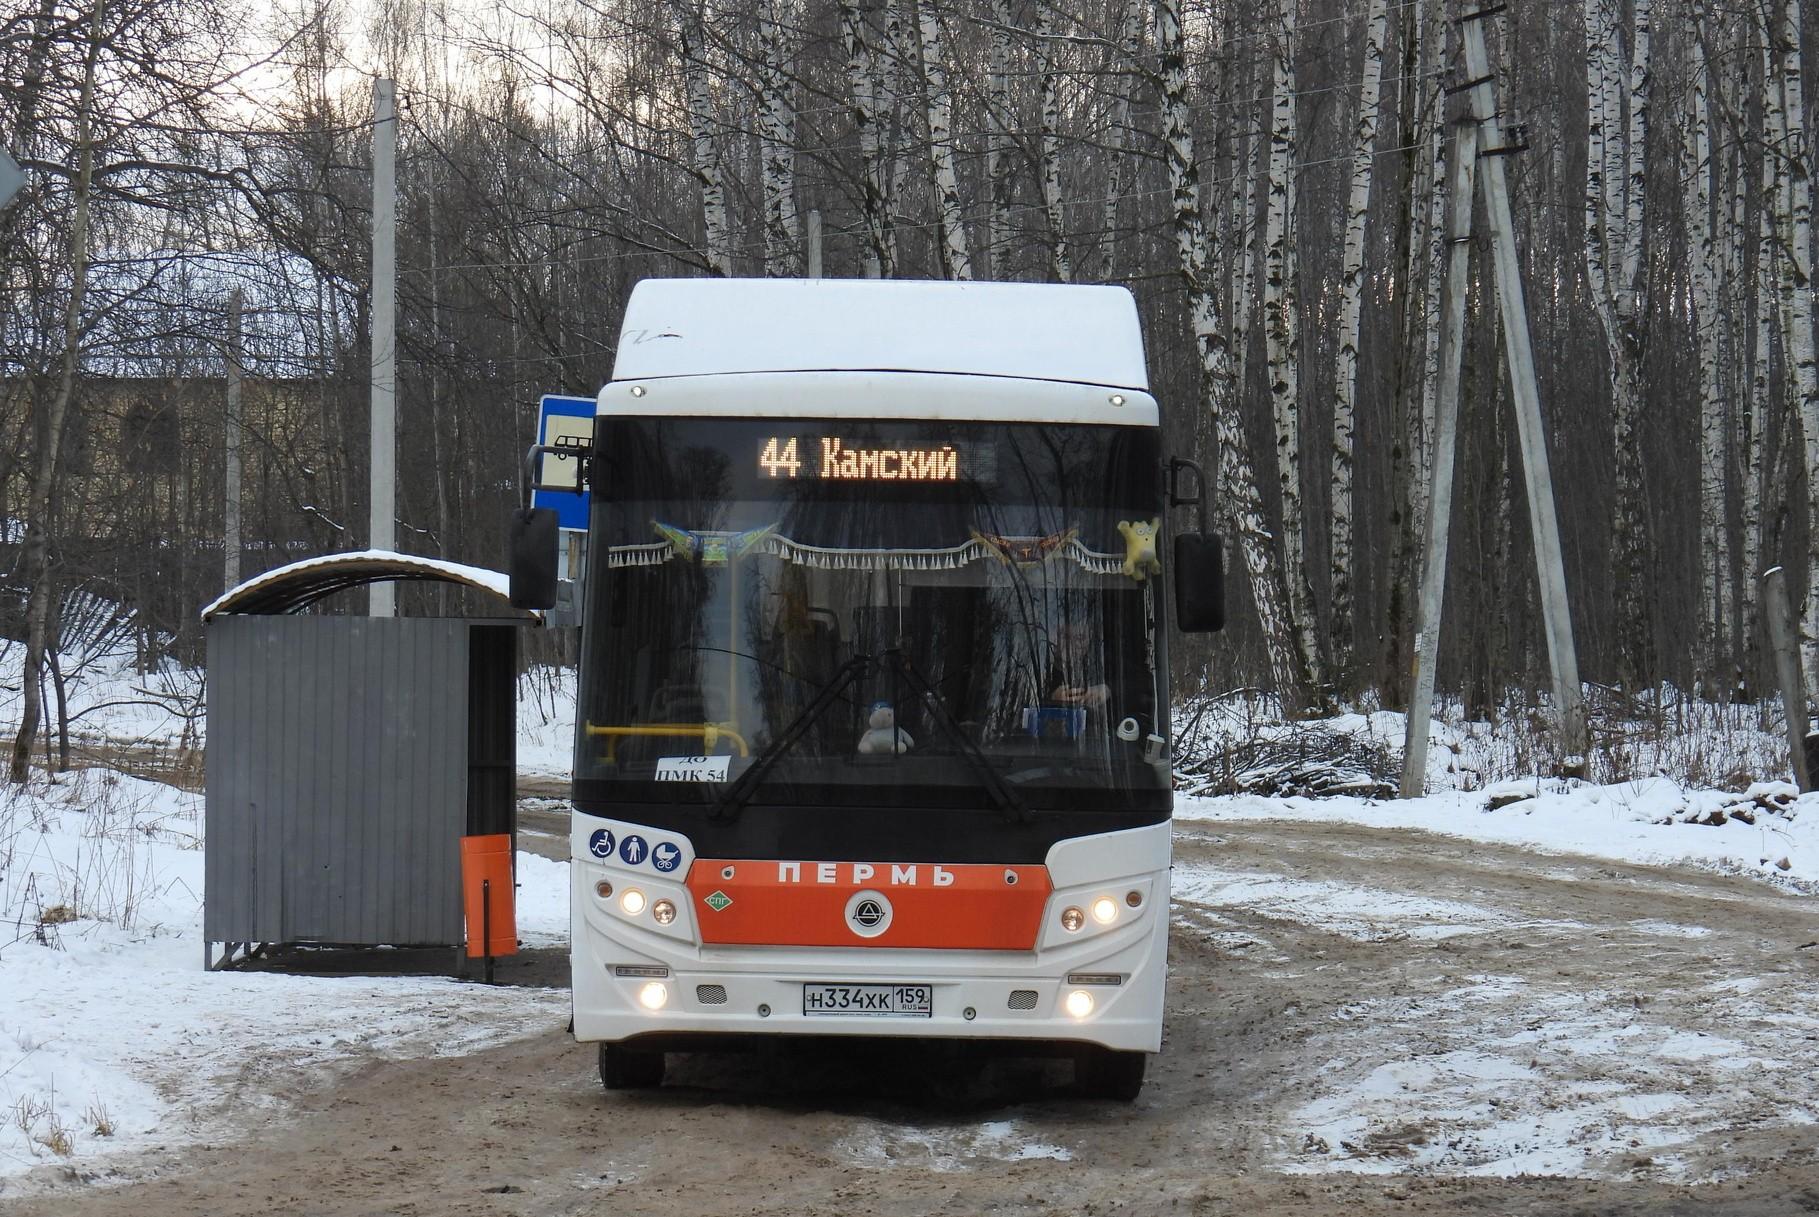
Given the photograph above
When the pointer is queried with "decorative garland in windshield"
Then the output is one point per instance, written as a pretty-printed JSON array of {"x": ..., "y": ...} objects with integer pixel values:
[{"x": 717, "y": 548}]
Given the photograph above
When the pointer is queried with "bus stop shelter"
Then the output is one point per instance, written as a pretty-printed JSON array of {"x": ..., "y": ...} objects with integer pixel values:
[{"x": 348, "y": 756}]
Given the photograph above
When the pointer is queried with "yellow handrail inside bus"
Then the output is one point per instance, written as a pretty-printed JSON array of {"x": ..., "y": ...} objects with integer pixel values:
[{"x": 710, "y": 734}]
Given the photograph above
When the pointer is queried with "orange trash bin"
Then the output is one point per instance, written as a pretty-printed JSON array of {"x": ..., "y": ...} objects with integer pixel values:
[{"x": 486, "y": 876}]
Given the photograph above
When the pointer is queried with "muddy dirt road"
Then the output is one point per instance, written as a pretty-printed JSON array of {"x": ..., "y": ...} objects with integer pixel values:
[{"x": 1359, "y": 1020}]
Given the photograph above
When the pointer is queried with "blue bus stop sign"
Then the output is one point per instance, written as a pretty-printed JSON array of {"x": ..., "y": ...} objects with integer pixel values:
[
  {"x": 11, "y": 177},
  {"x": 559, "y": 418}
]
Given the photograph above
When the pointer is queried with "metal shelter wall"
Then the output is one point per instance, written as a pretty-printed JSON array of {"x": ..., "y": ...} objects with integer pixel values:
[{"x": 338, "y": 777}]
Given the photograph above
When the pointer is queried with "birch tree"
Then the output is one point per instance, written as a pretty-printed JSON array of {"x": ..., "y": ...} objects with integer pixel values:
[
  {"x": 955, "y": 261},
  {"x": 998, "y": 121},
  {"x": 1118, "y": 169},
  {"x": 34, "y": 557},
  {"x": 1218, "y": 387},
  {"x": 1614, "y": 214},
  {"x": 1796, "y": 289},
  {"x": 1061, "y": 266},
  {"x": 863, "y": 86},
  {"x": 705, "y": 149},
  {"x": 1345, "y": 376},
  {"x": 1714, "y": 547},
  {"x": 777, "y": 142},
  {"x": 1282, "y": 338}
]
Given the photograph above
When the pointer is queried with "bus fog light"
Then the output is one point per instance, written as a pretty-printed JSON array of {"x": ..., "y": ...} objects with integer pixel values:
[
  {"x": 663, "y": 912},
  {"x": 604, "y": 890},
  {"x": 1079, "y": 1003},
  {"x": 1105, "y": 910},
  {"x": 1072, "y": 919},
  {"x": 632, "y": 902},
  {"x": 655, "y": 996}
]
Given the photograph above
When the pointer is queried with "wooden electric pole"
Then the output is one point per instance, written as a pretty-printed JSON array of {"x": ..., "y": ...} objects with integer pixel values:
[
  {"x": 382, "y": 527},
  {"x": 1440, "y": 495},
  {"x": 1550, "y": 565},
  {"x": 230, "y": 508}
]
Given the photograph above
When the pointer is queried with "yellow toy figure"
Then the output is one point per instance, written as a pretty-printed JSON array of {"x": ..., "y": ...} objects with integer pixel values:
[{"x": 1140, "y": 548}]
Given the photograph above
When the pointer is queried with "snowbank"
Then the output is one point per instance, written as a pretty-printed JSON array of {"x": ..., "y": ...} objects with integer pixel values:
[{"x": 1768, "y": 831}]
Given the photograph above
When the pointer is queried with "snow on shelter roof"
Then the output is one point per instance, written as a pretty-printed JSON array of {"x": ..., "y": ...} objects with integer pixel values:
[
  {"x": 297, "y": 585},
  {"x": 1035, "y": 331}
]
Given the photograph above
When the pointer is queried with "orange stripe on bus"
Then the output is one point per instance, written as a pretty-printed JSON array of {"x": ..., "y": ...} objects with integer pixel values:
[{"x": 804, "y": 904}]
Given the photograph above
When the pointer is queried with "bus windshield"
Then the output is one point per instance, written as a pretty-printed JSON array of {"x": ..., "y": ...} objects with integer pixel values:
[{"x": 872, "y": 613}]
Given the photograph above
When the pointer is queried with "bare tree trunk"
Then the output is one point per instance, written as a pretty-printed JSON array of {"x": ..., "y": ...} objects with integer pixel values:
[
  {"x": 705, "y": 148},
  {"x": 1740, "y": 302},
  {"x": 1345, "y": 377},
  {"x": 862, "y": 79},
  {"x": 1614, "y": 199},
  {"x": 1130, "y": 46},
  {"x": 1060, "y": 264},
  {"x": 34, "y": 559},
  {"x": 1217, "y": 384},
  {"x": 1282, "y": 339},
  {"x": 1714, "y": 547},
  {"x": 904, "y": 79},
  {"x": 999, "y": 120},
  {"x": 954, "y": 258},
  {"x": 777, "y": 144},
  {"x": 1797, "y": 309}
]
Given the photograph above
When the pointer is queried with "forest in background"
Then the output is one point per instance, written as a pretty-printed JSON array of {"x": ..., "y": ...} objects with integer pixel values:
[{"x": 1269, "y": 178}]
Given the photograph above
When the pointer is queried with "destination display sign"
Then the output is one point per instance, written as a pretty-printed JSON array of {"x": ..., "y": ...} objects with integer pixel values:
[{"x": 835, "y": 457}]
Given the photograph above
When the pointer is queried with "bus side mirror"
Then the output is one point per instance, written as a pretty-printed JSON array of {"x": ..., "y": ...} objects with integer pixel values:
[
  {"x": 1199, "y": 583},
  {"x": 533, "y": 558}
]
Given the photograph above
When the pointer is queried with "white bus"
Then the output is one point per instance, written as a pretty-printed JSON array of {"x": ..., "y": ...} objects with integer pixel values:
[{"x": 872, "y": 729}]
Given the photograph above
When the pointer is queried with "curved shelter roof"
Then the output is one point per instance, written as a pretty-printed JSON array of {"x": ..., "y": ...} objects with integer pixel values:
[{"x": 297, "y": 585}]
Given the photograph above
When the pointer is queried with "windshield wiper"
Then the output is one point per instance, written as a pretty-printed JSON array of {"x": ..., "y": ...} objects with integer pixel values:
[
  {"x": 1008, "y": 800},
  {"x": 740, "y": 792}
]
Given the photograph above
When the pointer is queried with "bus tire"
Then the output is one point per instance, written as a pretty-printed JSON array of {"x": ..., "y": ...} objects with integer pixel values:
[
  {"x": 1102, "y": 1073},
  {"x": 623, "y": 1068}
]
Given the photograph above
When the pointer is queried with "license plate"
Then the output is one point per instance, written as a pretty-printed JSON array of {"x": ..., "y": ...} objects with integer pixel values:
[{"x": 875, "y": 1001}]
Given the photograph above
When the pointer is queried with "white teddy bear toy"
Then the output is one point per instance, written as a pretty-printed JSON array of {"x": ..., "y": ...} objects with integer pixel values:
[{"x": 885, "y": 735}]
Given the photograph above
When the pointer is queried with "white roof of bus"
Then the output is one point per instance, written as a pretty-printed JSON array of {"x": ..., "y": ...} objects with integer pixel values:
[{"x": 1036, "y": 331}]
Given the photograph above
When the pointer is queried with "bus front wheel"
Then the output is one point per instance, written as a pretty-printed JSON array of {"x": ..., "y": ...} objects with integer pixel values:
[
  {"x": 623, "y": 1068},
  {"x": 1102, "y": 1073}
]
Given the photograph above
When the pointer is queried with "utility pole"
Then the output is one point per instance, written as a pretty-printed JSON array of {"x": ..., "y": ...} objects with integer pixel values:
[
  {"x": 230, "y": 510},
  {"x": 1550, "y": 565},
  {"x": 382, "y": 529},
  {"x": 814, "y": 243},
  {"x": 1446, "y": 433},
  {"x": 1482, "y": 135}
]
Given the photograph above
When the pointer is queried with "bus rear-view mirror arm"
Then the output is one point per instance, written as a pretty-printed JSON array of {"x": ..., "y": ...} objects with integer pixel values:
[{"x": 534, "y": 529}]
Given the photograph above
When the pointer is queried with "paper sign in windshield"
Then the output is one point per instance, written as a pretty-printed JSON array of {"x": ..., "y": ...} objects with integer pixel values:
[{"x": 692, "y": 768}]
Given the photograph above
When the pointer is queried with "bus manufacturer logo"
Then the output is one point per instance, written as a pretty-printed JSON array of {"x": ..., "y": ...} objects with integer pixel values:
[
  {"x": 718, "y": 901},
  {"x": 868, "y": 914}
]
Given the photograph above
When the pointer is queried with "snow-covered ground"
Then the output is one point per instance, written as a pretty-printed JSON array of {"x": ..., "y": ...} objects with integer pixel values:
[
  {"x": 112, "y": 1037},
  {"x": 1765, "y": 831}
]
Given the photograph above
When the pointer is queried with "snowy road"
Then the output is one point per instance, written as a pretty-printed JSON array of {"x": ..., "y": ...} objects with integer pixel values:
[{"x": 1364, "y": 1019}]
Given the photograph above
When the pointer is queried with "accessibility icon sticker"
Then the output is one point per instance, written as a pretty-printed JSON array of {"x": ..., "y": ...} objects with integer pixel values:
[
  {"x": 601, "y": 843},
  {"x": 666, "y": 857},
  {"x": 633, "y": 850}
]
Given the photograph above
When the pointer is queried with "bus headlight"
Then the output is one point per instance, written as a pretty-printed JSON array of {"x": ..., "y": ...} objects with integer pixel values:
[
  {"x": 1105, "y": 910},
  {"x": 632, "y": 902},
  {"x": 1072, "y": 919},
  {"x": 1079, "y": 1004},
  {"x": 663, "y": 912},
  {"x": 655, "y": 996}
]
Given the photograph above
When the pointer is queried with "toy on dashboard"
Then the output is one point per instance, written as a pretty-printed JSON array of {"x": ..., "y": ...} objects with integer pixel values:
[
  {"x": 885, "y": 736},
  {"x": 1140, "y": 548}
]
